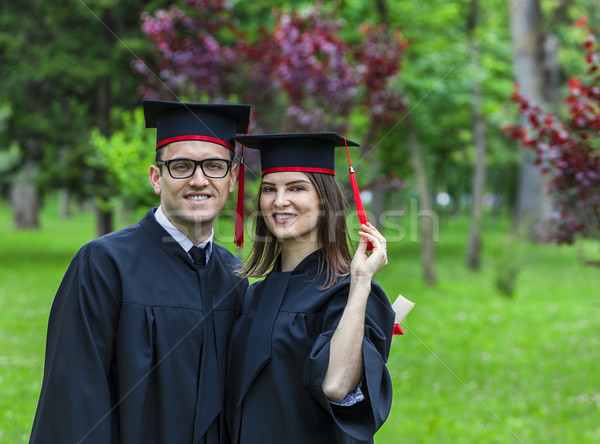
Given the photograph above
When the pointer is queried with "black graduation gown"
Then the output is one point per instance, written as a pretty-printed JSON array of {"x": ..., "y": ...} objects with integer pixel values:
[
  {"x": 279, "y": 353},
  {"x": 134, "y": 354}
]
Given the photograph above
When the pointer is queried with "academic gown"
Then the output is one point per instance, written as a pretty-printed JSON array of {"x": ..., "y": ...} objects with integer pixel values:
[
  {"x": 134, "y": 352},
  {"x": 279, "y": 353}
]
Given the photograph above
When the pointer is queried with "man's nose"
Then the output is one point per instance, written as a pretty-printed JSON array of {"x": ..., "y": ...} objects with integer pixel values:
[{"x": 198, "y": 178}]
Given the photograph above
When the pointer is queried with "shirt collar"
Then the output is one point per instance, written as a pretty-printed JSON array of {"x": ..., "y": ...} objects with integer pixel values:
[{"x": 181, "y": 238}]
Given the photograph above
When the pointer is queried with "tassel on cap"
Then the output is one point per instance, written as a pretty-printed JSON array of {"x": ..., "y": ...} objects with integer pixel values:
[
  {"x": 239, "y": 211},
  {"x": 238, "y": 239},
  {"x": 360, "y": 208}
]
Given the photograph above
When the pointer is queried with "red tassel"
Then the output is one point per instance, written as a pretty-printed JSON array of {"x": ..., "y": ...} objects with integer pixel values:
[
  {"x": 397, "y": 330},
  {"x": 238, "y": 239},
  {"x": 360, "y": 208}
]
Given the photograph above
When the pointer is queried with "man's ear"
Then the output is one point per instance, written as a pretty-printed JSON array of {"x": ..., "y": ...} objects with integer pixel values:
[
  {"x": 234, "y": 174},
  {"x": 154, "y": 177}
]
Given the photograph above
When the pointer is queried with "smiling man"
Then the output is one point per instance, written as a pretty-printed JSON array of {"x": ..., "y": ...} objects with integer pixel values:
[{"x": 138, "y": 328}]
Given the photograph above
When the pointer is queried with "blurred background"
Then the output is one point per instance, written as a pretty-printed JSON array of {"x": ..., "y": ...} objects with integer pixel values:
[{"x": 480, "y": 161}]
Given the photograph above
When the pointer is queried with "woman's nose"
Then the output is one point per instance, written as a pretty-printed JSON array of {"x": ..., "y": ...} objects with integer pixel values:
[{"x": 281, "y": 199}]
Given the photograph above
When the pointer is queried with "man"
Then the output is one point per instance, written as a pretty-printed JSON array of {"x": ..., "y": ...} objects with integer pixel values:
[{"x": 138, "y": 328}]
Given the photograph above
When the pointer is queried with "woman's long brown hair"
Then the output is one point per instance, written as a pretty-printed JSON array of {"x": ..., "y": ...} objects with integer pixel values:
[{"x": 333, "y": 235}]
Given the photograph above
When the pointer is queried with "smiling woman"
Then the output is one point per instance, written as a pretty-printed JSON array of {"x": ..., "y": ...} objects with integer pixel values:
[
  {"x": 310, "y": 159},
  {"x": 306, "y": 361}
]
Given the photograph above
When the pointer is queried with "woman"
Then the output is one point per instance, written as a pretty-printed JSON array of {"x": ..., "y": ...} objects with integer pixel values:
[{"x": 307, "y": 357}]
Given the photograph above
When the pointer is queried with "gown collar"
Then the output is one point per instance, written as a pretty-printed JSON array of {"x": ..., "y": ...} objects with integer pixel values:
[
  {"x": 181, "y": 238},
  {"x": 312, "y": 261},
  {"x": 168, "y": 244}
]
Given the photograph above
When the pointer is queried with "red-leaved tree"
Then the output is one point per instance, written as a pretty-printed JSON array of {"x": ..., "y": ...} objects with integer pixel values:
[
  {"x": 569, "y": 151},
  {"x": 192, "y": 54},
  {"x": 301, "y": 74}
]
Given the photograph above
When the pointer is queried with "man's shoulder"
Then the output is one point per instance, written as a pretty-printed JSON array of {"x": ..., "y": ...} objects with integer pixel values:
[{"x": 120, "y": 240}]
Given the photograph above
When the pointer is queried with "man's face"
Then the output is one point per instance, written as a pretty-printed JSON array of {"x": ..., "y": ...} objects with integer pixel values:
[{"x": 194, "y": 203}]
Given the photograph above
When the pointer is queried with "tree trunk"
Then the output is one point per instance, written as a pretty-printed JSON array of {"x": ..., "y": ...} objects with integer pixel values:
[
  {"x": 104, "y": 220},
  {"x": 64, "y": 203},
  {"x": 377, "y": 205},
  {"x": 533, "y": 204},
  {"x": 552, "y": 73},
  {"x": 381, "y": 7},
  {"x": 426, "y": 213},
  {"x": 104, "y": 215},
  {"x": 24, "y": 199},
  {"x": 64, "y": 193},
  {"x": 126, "y": 213},
  {"x": 478, "y": 186},
  {"x": 474, "y": 255}
]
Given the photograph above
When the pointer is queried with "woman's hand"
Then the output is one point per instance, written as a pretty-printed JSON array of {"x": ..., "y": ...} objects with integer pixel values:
[{"x": 366, "y": 266}]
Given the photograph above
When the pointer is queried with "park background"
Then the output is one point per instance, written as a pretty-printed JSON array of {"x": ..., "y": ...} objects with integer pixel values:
[{"x": 487, "y": 192}]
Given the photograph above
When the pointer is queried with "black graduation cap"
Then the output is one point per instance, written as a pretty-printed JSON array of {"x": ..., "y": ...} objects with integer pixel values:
[
  {"x": 211, "y": 122},
  {"x": 307, "y": 152}
]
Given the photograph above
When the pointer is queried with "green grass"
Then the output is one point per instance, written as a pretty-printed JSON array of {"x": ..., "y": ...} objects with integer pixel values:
[
  {"x": 474, "y": 366},
  {"x": 31, "y": 266}
]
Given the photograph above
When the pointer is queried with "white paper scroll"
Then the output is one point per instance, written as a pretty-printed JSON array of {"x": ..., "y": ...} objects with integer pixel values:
[{"x": 402, "y": 307}]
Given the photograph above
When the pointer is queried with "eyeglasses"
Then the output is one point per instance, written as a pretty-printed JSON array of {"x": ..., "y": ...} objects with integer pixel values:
[{"x": 184, "y": 168}]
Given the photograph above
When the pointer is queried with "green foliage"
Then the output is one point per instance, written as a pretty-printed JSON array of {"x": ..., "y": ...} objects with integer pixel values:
[
  {"x": 437, "y": 78},
  {"x": 56, "y": 57},
  {"x": 55, "y": 54},
  {"x": 126, "y": 157},
  {"x": 9, "y": 161}
]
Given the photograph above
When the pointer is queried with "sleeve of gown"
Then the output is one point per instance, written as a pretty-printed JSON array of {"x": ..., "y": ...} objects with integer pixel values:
[
  {"x": 360, "y": 420},
  {"x": 76, "y": 395}
]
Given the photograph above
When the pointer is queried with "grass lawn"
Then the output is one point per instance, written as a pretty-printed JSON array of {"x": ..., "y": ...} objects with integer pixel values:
[{"x": 473, "y": 367}]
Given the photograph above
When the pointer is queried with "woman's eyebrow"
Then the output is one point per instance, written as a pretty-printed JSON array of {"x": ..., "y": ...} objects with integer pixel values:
[{"x": 289, "y": 183}]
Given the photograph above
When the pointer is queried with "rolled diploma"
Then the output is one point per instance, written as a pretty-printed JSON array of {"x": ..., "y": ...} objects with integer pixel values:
[{"x": 402, "y": 307}]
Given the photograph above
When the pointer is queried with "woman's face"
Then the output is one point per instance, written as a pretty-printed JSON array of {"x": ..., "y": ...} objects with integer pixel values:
[{"x": 290, "y": 205}]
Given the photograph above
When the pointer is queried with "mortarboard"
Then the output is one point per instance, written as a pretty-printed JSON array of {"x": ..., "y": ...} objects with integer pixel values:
[
  {"x": 210, "y": 122},
  {"x": 305, "y": 152}
]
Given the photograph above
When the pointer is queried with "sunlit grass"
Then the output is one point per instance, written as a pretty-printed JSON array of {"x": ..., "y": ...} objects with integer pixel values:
[
  {"x": 474, "y": 366},
  {"x": 31, "y": 266}
]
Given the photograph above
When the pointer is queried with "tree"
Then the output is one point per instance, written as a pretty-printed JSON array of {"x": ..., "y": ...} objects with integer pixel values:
[
  {"x": 528, "y": 43},
  {"x": 125, "y": 156},
  {"x": 478, "y": 187},
  {"x": 63, "y": 67},
  {"x": 427, "y": 228},
  {"x": 568, "y": 152}
]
